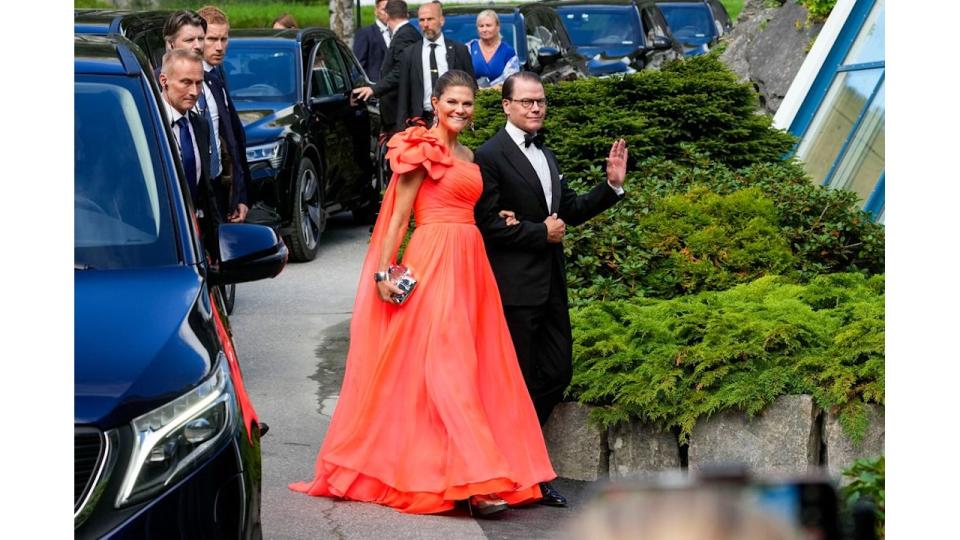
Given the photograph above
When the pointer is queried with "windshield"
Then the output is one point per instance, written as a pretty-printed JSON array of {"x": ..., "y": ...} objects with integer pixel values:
[
  {"x": 122, "y": 217},
  {"x": 260, "y": 73},
  {"x": 463, "y": 28},
  {"x": 598, "y": 26},
  {"x": 689, "y": 23}
]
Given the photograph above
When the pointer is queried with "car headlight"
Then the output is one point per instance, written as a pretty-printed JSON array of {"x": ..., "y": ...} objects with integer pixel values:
[
  {"x": 169, "y": 441},
  {"x": 272, "y": 152}
]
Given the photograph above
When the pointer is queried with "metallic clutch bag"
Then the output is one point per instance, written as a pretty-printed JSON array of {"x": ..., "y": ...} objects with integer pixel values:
[{"x": 399, "y": 275}]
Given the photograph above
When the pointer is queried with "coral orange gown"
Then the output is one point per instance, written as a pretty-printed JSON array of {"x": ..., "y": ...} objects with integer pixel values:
[{"x": 433, "y": 406}]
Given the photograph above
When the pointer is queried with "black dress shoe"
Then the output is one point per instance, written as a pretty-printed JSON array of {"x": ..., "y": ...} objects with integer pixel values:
[{"x": 551, "y": 497}]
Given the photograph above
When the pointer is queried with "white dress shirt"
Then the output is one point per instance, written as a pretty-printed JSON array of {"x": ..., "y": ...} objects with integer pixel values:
[
  {"x": 174, "y": 117},
  {"x": 384, "y": 32},
  {"x": 441, "y": 67},
  {"x": 214, "y": 115},
  {"x": 537, "y": 159}
]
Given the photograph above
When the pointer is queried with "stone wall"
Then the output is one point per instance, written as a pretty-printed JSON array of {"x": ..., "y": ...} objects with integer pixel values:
[
  {"x": 790, "y": 437},
  {"x": 767, "y": 46}
]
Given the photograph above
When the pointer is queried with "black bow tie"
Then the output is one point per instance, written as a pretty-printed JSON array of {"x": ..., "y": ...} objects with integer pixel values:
[{"x": 533, "y": 138}]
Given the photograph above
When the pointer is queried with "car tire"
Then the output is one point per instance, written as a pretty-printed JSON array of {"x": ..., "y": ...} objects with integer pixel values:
[{"x": 308, "y": 217}]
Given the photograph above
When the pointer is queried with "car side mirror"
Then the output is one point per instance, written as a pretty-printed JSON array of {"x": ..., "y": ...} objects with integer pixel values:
[
  {"x": 247, "y": 253},
  {"x": 547, "y": 55},
  {"x": 324, "y": 100},
  {"x": 660, "y": 43}
]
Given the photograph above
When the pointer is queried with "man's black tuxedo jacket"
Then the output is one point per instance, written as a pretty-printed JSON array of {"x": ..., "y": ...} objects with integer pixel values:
[
  {"x": 522, "y": 259},
  {"x": 370, "y": 50},
  {"x": 410, "y": 100},
  {"x": 386, "y": 87},
  {"x": 236, "y": 142}
]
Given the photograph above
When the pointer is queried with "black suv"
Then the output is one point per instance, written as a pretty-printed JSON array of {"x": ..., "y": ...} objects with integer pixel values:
[
  {"x": 312, "y": 150},
  {"x": 630, "y": 31},
  {"x": 533, "y": 30}
]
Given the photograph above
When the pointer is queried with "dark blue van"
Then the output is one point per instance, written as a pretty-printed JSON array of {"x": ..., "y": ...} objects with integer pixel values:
[{"x": 166, "y": 442}]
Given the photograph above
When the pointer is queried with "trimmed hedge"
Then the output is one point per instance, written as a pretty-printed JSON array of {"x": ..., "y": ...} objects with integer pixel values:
[
  {"x": 671, "y": 362},
  {"x": 690, "y": 126}
]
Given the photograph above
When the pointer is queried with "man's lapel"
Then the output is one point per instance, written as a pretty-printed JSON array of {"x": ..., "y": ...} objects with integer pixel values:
[
  {"x": 520, "y": 163},
  {"x": 451, "y": 56},
  {"x": 554, "y": 180}
]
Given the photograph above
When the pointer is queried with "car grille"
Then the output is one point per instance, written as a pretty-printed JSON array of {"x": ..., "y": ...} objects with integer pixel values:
[{"x": 87, "y": 453}]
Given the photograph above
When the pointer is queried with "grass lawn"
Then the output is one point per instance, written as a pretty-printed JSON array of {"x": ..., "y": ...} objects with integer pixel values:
[{"x": 733, "y": 7}]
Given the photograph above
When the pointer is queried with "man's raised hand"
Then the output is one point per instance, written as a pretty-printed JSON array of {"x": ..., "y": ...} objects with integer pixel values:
[
  {"x": 617, "y": 163},
  {"x": 555, "y": 229}
]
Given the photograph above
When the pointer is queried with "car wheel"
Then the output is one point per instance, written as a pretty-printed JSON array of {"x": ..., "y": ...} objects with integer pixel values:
[{"x": 309, "y": 218}]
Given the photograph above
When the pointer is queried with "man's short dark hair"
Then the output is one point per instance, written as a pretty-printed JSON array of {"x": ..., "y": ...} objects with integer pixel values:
[
  {"x": 507, "y": 90},
  {"x": 179, "y": 19},
  {"x": 397, "y": 9}
]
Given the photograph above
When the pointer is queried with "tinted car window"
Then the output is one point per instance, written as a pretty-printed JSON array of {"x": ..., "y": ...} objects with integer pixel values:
[
  {"x": 541, "y": 33},
  {"x": 690, "y": 23},
  {"x": 357, "y": 75},
  {"x": 602, "y": 25},
  {"x": 122, "y": 216},
  {"x": 261, "y": 74},
  {"x": 328, "y": 73}
]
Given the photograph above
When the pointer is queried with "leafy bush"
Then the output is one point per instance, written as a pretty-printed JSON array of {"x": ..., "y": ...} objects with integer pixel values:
[
  {"x": 697, "y": 102},
  {"x": 867, "y": 482},
  {"x": 689, "y": 242},
  {"x": 690, "y": 124},
  {"x": 818, "y": 9},
  {"x": 672, "y": 362}
]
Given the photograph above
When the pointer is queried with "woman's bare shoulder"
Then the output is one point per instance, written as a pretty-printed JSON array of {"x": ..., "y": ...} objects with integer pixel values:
[{"x": 463, "y": 153}]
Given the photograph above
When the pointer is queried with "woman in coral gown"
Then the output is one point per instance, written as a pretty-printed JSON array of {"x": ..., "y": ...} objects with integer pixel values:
[{"x": 433, "y": 407}]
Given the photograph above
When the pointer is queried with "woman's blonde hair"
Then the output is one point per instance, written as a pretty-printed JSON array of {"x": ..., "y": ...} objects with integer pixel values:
[{"x": 490, "y": 14}]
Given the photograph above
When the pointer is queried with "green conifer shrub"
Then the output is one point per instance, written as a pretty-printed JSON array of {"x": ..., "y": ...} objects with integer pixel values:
[{"x": 672, "y": 362}]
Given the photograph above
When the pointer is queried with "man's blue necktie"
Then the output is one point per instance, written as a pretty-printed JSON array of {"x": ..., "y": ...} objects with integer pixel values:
[
  {"x": 187, "y": 155},
  {"x": 214, "y": 144}
]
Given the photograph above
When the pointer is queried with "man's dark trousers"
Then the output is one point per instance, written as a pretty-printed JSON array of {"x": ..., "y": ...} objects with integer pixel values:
[{"x": 543, "y": 341}]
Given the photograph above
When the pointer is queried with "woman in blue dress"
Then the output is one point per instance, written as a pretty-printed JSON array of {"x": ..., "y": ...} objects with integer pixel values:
[{"x": 493, "y": 60}]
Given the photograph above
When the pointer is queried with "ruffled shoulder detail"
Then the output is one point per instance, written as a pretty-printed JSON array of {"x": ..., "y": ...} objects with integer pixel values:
[{"x": 415, "y": 147}]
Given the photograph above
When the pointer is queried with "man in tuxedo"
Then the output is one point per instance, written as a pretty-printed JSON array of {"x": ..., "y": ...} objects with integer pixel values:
[
  {"x": 371, "y": 42},
  {"x": 425, "y": 61},
  {"x": 521, "y": 175},
  {"x": 181, "y": 82},
  {"x": 404, "y": 35},
  {"x": 230, "y": 172}
]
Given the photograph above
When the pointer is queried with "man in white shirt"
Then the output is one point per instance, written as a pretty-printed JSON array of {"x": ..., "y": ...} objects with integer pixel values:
[
  {"x": 181, "y": 82},
  {"x": 371, "y": 42},
  {"x": 520, "y": 174},
  {"x": 231, "y": 175},
  {"x": 424, "y": 62}
]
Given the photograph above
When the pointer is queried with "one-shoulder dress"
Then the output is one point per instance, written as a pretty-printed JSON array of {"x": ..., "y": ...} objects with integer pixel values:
[{"x": 433, "y": 406}]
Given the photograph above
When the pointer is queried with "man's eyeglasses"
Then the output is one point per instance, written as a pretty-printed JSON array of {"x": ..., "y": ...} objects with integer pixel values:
[{"x": 528, "y": 103}]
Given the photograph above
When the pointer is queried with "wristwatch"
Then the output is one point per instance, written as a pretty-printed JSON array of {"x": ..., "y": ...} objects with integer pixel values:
[{"x": 380, "y": 276}]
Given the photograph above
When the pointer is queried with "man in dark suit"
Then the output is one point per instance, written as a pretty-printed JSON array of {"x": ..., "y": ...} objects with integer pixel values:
[
  {"x": 231, "y": 176},
  {"x": 425, "y": 61},
  {"x": 371, "y": 42},
  {"x": 181, "y": 82},
  {"x": 404, "y": 35},
  {"x": 521, "y": 175}
]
